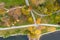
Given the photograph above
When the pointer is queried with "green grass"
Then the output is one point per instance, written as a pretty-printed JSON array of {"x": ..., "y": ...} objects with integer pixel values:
[{"x": 9, "y": 3}]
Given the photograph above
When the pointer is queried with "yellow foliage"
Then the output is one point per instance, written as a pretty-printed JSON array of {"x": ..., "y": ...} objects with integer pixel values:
[
  {"x": 45, "y": 10},
  {"x": 8, "y": 25},
  {"x": 17, "y": 20},
  {"x": 51, "y": 29},
  {"x": 2, "y": 11},
  {"x": 30, "y": 19},
  {"x": 31, "y": 28},
  {"x": 37, "y": 2},
  {"x": 33, "y": 2},
  {"x": 48, "y": 13},
  {"x": 41, "y": 1},
  {"x": 25, "y": 12},
  {"x": 42, "y": 27},
  {"x": 37, "y": 32},
  {"x": 38, "y": 21},
  {"x": 3, "y": 32},
  {"x": 55, "y": 8},
  {"x": 13, "y": 24},
  {"x": 57, "y": 17}
]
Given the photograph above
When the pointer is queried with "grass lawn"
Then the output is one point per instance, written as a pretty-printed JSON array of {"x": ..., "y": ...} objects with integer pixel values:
[{"x": 9, "y": 3}]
